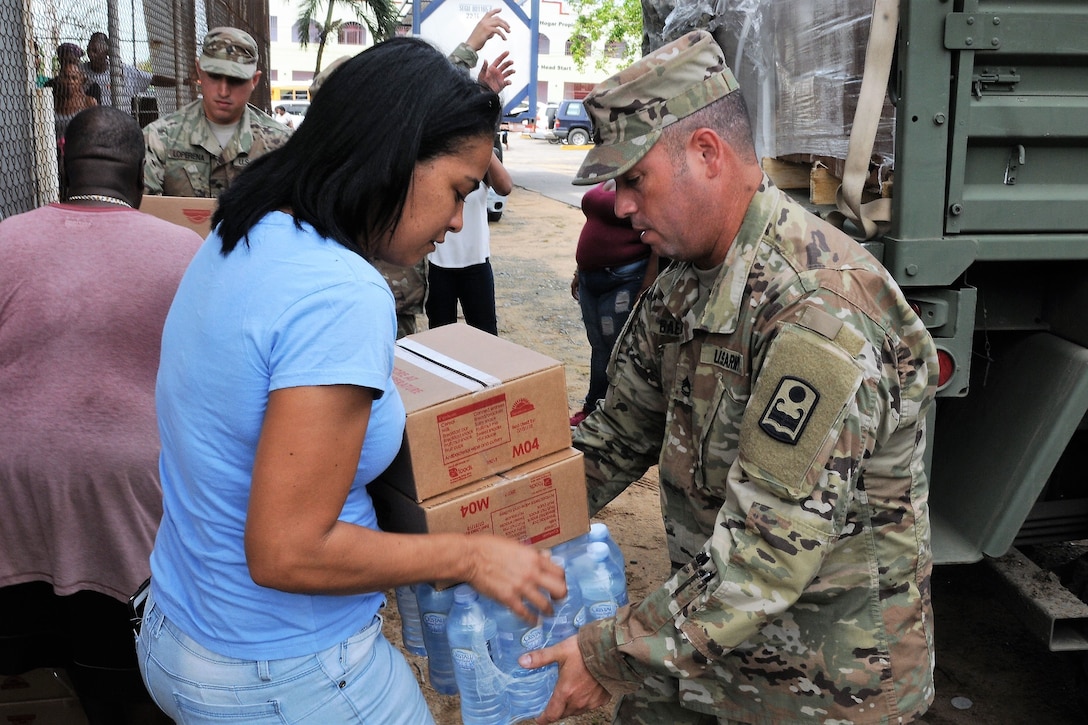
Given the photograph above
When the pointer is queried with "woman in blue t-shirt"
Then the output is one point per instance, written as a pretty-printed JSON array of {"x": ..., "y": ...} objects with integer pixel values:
[{"x": 276, "y": 408}]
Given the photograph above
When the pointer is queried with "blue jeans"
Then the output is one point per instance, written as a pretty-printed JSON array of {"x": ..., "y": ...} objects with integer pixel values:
[
  {"x": 606, "y": 297},
  {"x": 362, "y": 680}
]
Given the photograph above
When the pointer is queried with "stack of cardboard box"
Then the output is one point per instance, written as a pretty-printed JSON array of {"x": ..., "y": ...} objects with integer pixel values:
[{"x": 487, "y": 442}]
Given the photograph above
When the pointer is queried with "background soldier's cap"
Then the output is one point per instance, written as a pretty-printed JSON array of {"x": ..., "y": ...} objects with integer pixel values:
[
  {"x": 323, "y": 76},
  {"x": 229, "y": 52},
  {"x": 630, "y": 109}
]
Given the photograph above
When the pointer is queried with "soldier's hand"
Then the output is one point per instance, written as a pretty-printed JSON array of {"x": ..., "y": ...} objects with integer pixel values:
[
  {"x": 490, "y": 25},
  {"x": 496, "y": 75},
  {"x": 574, "y": 286},
  {"x": 576, "y": 690}
]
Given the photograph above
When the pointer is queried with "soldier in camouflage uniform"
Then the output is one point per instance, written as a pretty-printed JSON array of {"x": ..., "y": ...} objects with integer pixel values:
[
  {"x": 409, "y": 285},
  {"x": 184, "y": 155},
  {"x": 779, "y": 379}
]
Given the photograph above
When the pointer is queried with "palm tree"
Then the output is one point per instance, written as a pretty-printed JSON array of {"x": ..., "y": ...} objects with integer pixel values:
[{"x": 380, "y": 16}]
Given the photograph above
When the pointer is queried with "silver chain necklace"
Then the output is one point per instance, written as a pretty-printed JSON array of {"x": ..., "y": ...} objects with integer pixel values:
[{"x": 100, "y": 197}]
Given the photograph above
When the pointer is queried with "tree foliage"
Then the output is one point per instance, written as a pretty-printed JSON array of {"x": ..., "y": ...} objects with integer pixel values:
[
  {"x": 379, "y": 16},
  {"x": 606, "y": 30}
]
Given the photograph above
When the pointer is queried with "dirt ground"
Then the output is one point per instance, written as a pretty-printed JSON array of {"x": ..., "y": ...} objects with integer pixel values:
[{"x": 989, "y": 668}]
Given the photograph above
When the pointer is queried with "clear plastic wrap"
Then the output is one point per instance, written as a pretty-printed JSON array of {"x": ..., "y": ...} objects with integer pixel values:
[{"x": 799, "y": 63}]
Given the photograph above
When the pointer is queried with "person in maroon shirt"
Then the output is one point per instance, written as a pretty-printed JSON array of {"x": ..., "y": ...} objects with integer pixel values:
[{"x": 614, "y": 267}]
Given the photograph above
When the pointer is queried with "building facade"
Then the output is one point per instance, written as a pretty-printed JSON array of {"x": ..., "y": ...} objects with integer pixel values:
[{"x": 291, "y": 69}]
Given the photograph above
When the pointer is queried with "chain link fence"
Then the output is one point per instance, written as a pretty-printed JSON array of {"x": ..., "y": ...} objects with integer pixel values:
[{"x": 136, "y": 55}]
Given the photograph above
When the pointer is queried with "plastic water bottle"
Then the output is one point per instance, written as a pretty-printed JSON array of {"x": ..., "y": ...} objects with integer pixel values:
[
  {"x": 567, "y": 615},
  {"x": 599, "y": 532},
  {"x": 480, "y": 682},
  {"x": 579, "y": 558},
  {"x": 434, "y": 610},
  {"x": 411, "y": 630},
  {"x": 528, "y": 691},
  {"x": 595, "y": 584},
  {"x": 571, "y": 550}
]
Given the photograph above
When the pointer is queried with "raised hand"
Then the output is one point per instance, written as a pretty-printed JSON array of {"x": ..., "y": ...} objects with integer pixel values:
[{"x": 496, "y": 75}]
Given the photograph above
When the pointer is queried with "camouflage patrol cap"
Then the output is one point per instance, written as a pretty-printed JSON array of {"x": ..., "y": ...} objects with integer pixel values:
[
  {"x": 230, "y": 52},
  {"x": 630, "y": 109},
  {"x": 323, "y": 76}
]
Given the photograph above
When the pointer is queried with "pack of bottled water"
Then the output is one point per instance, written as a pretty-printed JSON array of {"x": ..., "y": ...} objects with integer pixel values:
[{"x": 473, "y": 644}]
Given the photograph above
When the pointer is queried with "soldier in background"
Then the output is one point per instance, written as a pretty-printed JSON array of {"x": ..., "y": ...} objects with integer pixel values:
[
  {"x": 779, "y": 379},
  {"x": 202, "y": 147}
]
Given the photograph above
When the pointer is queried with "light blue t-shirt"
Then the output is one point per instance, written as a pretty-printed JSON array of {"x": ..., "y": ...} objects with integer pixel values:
[{"x": 291, "y": 309}]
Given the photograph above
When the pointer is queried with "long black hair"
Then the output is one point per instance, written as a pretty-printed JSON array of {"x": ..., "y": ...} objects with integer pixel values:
[{"x": 347, "y": 169}]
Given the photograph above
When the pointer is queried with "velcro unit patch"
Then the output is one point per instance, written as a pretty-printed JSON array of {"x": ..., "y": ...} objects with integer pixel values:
[
  {"x": 795, "y": 412},
  {"x": 826, "y": 324}
]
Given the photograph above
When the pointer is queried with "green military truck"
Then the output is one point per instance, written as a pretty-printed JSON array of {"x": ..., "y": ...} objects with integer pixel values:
[{"x": 988, "y": 237}]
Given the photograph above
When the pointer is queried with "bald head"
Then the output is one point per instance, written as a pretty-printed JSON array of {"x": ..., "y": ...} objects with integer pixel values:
[
  {"x": 104, "y": 147},
  {"x": 103, "y": 132}
]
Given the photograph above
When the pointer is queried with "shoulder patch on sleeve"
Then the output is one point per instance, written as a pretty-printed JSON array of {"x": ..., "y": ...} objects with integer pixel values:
[
  {"x": 789, "y": 409},
  {"x": 796, "y": 409}
]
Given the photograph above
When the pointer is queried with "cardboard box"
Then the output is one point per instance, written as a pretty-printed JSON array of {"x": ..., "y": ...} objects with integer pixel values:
[
  {"x": 476, "y": 405},
  {"x": 192, "y": 212},
  {"x": 542, "y": 503},
  {"x": 41, "y": 684},
  {"x": 62, "y": 711}
]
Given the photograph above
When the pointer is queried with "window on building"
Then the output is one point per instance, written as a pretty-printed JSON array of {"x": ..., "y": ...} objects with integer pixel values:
[
  {"x": 302, "y": 75},
  {"x": 615, "y": 49},
  {"x": 543, "y": 44},
  {"x": 576, "y": 90},
  {"x": 273, "y": 29},
  {"x": 273, "y": 74},
  {"x": 575, "y": 41},
  {"x": 352, "y": 34},
  {"x": 315, "y": 33}
]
